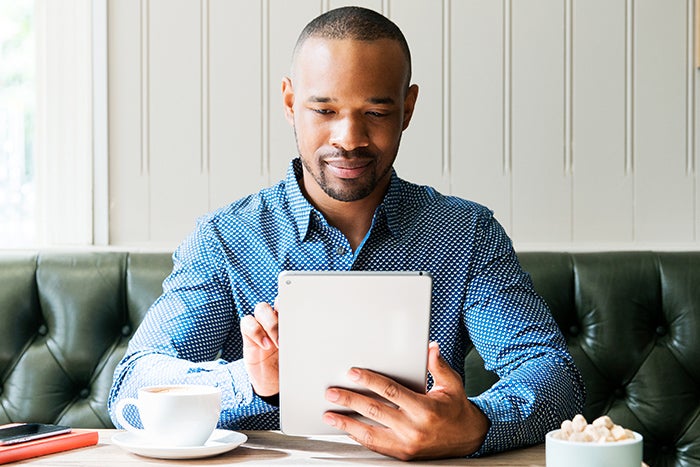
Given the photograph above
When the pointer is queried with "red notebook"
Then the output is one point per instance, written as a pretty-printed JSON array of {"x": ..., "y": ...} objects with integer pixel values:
[{"x": 40, "y": 447}]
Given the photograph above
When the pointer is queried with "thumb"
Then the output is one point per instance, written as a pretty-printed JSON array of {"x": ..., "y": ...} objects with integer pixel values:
[{"x": 442, "y": 373}]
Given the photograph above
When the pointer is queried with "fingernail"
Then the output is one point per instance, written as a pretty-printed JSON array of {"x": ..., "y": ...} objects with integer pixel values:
[
  {"x": 332, "y": 395},
  {"x": 327, "y": 419},
  {"x": 353, "y": 374},
  {"x": 266, "y": 343}
]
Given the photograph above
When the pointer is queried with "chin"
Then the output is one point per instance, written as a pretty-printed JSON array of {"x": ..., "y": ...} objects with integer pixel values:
[{"x": 343, "y": 193}]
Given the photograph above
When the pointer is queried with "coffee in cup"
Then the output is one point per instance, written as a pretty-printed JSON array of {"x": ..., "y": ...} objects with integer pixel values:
[{"x": 174, "y": 415}]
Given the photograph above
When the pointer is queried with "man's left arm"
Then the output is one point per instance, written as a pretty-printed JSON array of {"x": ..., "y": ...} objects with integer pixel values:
[{"x": 514, "y": 332}]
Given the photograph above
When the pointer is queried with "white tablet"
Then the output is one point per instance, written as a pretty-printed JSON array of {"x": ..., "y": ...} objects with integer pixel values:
[{"x": 332, "y": 321}]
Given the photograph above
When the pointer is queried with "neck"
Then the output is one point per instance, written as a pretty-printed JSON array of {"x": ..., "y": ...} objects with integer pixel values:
[{"x": 352, "y": 218}]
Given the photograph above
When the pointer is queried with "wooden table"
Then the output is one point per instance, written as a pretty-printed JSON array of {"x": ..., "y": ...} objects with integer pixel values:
[{"x": 275, "y": 448}]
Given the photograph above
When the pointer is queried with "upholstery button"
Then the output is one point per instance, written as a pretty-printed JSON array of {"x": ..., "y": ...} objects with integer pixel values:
[
  {"x": 666, "y": 449},
  {"x": 660, "y": 330},
  {"x": 574, "y": 330},
  {"x": 620, "y": 393},
  {"x": 43, "y": 330},
  {"x": 126, "y": 330},
  {"x": 84, "y": 393}
]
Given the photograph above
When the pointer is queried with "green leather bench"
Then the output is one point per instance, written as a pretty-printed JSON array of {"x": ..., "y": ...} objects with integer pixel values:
[{"x": 632, "y": 321}]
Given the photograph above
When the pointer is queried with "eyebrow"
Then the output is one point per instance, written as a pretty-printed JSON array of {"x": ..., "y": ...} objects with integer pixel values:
[
  {"x": 371, "y": 100},
  {"x": 319, "y": 99}
]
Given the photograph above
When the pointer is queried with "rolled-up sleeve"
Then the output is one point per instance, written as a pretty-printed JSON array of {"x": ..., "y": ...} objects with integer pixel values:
[
  {"x": 513, "y": 330},
  {"x": 182, "y": 334}
]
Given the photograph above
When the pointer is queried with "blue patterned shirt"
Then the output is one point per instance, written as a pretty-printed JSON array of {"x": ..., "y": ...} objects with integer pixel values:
[{"x": 231, "y": 262}]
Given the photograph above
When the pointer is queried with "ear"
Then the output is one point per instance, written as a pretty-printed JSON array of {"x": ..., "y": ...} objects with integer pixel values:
[
  {"x": 409, "y": 104},
  {"x": 288, "y": 99}
]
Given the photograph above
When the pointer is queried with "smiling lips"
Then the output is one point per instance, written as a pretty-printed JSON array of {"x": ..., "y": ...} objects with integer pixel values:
[{"x": 348, "y": 168}]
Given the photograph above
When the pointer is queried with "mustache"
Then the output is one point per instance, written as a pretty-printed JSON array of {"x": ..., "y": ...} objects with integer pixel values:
[{"x": 339, "y": 153}]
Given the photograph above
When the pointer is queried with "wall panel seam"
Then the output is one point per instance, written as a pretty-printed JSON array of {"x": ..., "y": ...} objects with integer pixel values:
[
  {"x": 692, "y": 41},
  {"x": 629, "y": 110},
  {"x": 446, "y": 90},
  {"x": 629, "y": 87},
  {"x": 569, "y": 108},
  {"x": 145, "y": 84},
  {"x": 204, "y": 88},
  {"x": 145, "y": 109},
  {"x": 265, "y": 88},
  {"x": 507, "y": 102},
  {"x": 507, "y": 87},
  {"x": 690, "y": 89},
  {"x": 568, "y": 87}
]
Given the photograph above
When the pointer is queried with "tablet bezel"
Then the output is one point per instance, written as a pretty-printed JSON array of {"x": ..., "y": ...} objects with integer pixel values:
[{"x": 370, "y": 319}]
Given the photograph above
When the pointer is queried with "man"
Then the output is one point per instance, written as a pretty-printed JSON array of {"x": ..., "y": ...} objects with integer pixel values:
[{"x": 343, "y": 207}]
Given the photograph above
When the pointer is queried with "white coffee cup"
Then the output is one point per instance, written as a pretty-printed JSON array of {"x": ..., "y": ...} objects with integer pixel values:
[{"x": 174, "y": 415}]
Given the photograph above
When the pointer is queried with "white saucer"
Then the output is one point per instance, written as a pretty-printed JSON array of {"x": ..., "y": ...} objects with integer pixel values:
[{"x": 219, "y": 442}]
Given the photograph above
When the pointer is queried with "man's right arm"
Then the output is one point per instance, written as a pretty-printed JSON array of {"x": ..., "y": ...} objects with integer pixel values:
[{"x": 182, "y": 335}]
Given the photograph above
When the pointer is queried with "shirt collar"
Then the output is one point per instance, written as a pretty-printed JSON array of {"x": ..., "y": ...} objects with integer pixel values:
[
  {"x": 298, "y": 204},
  {"x": 302, "y": 210},
  {"x": 392, "y": 204}
]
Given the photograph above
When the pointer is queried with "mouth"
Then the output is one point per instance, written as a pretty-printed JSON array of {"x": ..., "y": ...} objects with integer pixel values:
[{"x": 348, "y": 168}]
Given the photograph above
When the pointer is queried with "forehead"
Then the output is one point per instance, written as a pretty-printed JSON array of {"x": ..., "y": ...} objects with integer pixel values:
[{"x": 345, "y": 62}]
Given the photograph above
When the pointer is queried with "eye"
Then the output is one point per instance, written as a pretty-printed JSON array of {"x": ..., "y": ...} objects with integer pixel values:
[
  {"x": 323, "y": 111},
  {"x": 376, "y": 114}
]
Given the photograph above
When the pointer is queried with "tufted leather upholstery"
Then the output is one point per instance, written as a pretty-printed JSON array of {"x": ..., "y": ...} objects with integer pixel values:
[
  {"x": 632, "y": 321},
  {"x": 65, "y": 322}
]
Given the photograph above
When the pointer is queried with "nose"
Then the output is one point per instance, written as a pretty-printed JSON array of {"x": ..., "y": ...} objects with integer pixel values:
[{"x": 349, "y": 132}]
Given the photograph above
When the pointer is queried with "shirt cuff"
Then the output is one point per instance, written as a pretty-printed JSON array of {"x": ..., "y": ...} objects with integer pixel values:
[{"x": 491, "y": 442}]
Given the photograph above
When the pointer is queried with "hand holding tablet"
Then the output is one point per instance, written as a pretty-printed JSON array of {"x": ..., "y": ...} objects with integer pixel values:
[{"x": 330, "y": 322}]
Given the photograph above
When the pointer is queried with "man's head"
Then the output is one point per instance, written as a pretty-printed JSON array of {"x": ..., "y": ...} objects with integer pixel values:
[
  {"x": 349, "y": 100},
  {"x": 358, "y": 24}
]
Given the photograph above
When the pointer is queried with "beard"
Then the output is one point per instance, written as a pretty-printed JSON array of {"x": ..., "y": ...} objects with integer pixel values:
[
  {"x": 340, "y": 189},
  {"x": 345, "y": 189}
]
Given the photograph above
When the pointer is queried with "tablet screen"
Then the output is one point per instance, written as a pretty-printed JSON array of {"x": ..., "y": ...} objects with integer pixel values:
[{"x": 332, "y": 321}]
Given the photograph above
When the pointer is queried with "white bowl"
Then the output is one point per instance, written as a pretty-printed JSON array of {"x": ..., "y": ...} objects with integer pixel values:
[{"x": 562, "y": 453}]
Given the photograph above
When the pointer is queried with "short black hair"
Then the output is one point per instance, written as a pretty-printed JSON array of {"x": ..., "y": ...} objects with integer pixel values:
[{"x": 355, "y": 23}]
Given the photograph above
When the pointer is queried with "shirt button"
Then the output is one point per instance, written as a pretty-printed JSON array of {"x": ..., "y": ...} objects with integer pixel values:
[
  {"x": 340, "y": 250},
  {"x": 239, "y": 397}
]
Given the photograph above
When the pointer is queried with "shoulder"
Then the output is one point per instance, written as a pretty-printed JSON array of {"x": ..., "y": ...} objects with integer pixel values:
[
  {"x": 453, "y": 221},
  {"x": 247, "y": 211},
  {"x": 231, "y": 227},
  {"x": 427, "y": 200}
]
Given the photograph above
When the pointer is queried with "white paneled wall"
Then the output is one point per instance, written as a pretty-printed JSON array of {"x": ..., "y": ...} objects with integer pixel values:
[
  {"x": 541, "y": 181},
  {"x": 574, "y": 120},
  {"x": 664, "y": 187},
  {"x": 602, "y": 192}
]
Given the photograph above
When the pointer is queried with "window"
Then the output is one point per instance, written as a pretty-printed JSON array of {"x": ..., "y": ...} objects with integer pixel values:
[
  {"x": 17, "y": 110},
  {"x": 46, "y": 124}
]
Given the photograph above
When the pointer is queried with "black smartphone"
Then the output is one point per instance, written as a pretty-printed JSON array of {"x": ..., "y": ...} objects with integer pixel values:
[{"x": 30, "y": 431}]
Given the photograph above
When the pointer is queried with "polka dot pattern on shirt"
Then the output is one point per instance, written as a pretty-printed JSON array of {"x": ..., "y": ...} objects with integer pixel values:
[{"x": 480, "y": 295}]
